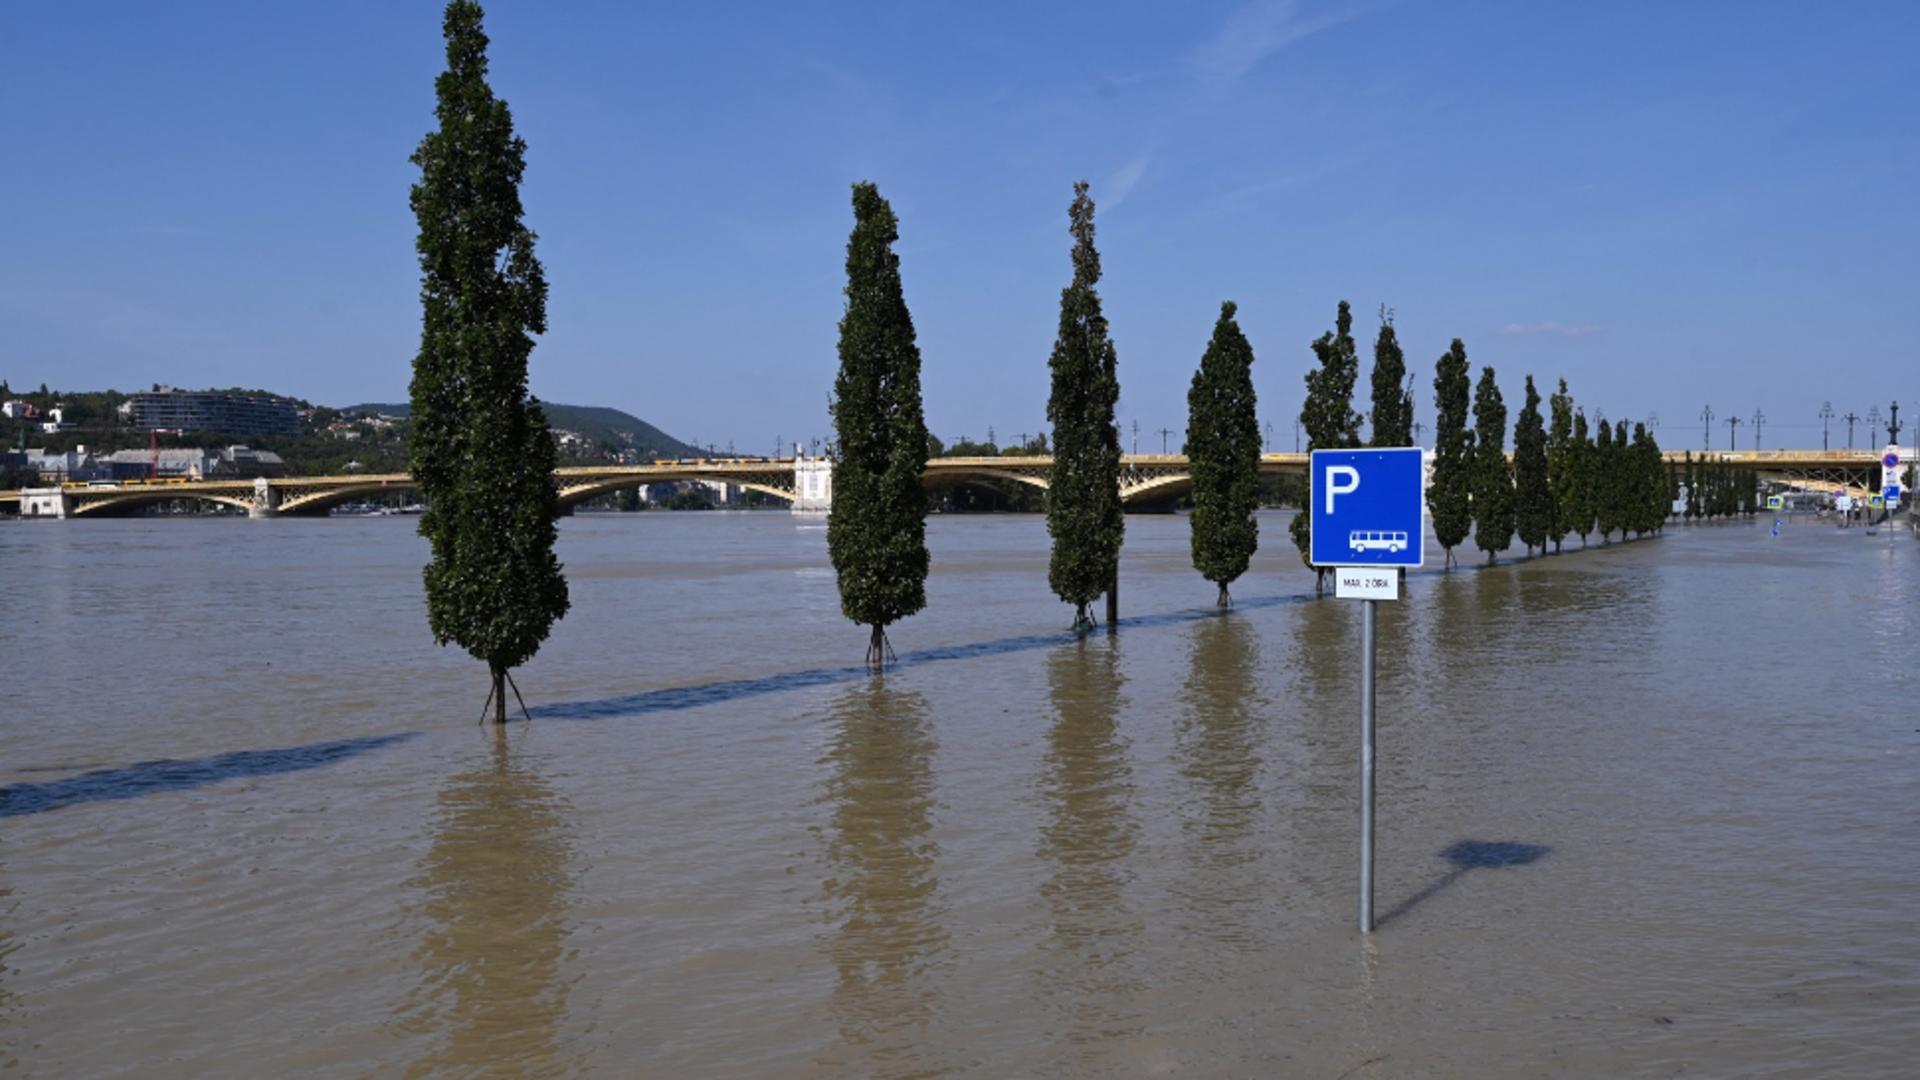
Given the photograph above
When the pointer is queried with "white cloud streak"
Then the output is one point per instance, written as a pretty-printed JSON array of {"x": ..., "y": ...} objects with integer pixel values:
[
  {"x": 1121, "y": 183},
  {"x": 1258, "y": 30},
  {"x": 1549, "y": 328}
]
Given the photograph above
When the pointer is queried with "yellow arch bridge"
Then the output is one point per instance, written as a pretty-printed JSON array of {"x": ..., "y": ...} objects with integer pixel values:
[{"x": 1145, "y": 479}]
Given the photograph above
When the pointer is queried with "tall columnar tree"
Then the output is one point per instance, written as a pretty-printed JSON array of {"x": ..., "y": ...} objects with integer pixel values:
[
  {"x": 1450, "y": 493},
  {"x": 1632, "y": 484},
  {"x": 1532, "y": 494},
  {"x": 1327, "y": 414},
  {"x": 1644, "y": 483},
  {"x": 1223, "y": 449},
  {"x": 1493, "y": 509},
  {"x": 1656, "y": 476},
  {"x": 1083, "y": 495},
  {"x": 876, "y": 528},
  {"x": 1560, "y": 467},
  {"x": 1606, "y": 500},
  {"x": 1392, "y": 404},
  {"x": 1583, "y": 464},
  {"x": 1624, "y": 489},
  {"x": 1673, "y": 489},
  {"x": 480, "y": 449},
  {"x": 1690, "y": 477}
]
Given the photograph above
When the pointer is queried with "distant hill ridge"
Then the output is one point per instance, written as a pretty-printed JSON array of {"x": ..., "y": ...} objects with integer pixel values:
[{"x": 608, "y": 427}]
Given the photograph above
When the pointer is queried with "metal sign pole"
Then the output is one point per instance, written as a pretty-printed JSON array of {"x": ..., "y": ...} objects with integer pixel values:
[
  {"x": 1368, "y": 525},
  {"x": 1366, "y": 765}
]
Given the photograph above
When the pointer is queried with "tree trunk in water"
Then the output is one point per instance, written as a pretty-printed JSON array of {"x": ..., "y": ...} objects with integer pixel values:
[
  {"x": 499, "y": 694},
  {"x": 1083, "y": 618},
  {"x": 1113, "y": 599},
  {"x": 1224, "y": 601},
  {"x": 877, "y": 647}
]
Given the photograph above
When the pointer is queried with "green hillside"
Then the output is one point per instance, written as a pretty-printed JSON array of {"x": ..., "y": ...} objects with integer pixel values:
[{"x": 611, "y": 428}]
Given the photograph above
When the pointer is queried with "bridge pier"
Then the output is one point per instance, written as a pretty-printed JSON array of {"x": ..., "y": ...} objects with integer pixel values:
[
  {"x": 49, "y": 502},
  {"x": 812, "y": 484},
  {"x": 266, "y": 501}
]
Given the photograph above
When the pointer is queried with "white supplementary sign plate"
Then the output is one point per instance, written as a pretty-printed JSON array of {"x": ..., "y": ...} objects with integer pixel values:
[{"x": 1366, "y": 583}]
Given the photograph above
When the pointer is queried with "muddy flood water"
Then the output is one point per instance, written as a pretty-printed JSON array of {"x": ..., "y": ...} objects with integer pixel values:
[{"x": 1646, "y": 810}]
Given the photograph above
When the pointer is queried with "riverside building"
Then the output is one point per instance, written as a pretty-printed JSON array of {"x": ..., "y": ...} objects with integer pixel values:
[{"x": 191, "y": 410}]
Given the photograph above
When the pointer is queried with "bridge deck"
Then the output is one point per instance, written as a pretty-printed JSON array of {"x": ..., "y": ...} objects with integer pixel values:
[{"x": 1142, "y": 476}]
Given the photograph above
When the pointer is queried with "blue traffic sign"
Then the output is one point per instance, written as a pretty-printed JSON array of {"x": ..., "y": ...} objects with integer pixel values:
[
  {"x": 1891, "y": 461},
  {"x": 1892, "y": 492},
  {"x": 1366, "y": 507}
]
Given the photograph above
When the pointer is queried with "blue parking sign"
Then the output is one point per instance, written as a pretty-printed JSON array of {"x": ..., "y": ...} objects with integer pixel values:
[{"x": 1366, "y": 507}]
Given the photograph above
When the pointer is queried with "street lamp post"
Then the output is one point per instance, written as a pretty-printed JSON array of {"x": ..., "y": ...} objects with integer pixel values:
[
  {"x": 1759, "y": 421},
  {"x": 1851, "y": 418},
  {"x": 1732, "y": 423},
  {"x": 1826, "y": 416},
  {"x": 1706, "y": 427}
]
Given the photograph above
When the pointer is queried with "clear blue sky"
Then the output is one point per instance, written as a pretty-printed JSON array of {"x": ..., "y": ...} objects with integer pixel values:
[{"x": 1668, "y": 204}]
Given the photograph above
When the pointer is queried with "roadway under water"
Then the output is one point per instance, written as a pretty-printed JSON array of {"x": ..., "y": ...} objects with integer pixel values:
[{"x": 1645, "y": 810}]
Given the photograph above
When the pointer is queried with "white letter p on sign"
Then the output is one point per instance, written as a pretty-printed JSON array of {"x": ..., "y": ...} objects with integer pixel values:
[{"x": 1334, "y": 487}]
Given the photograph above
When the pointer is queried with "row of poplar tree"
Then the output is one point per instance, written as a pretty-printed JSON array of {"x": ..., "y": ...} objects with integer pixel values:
[
  {"x": 483, "y": 456},
  {"x": 876, "y": 525},
  {"x": 1561, "y": 480}
]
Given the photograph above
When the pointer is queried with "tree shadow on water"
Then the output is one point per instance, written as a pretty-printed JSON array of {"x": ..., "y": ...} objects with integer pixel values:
[
  {"x": 1466, "y": 856},
  {"x": 675, "y": 698},
  {"x": 181, "y": 774}
]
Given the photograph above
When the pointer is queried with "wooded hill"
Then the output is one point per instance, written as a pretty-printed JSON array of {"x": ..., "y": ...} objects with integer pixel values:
[{"x": 612, "y": 429}]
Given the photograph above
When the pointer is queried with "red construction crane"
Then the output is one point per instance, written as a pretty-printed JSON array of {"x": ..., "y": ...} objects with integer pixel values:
[{"x": 153, "y": 444}]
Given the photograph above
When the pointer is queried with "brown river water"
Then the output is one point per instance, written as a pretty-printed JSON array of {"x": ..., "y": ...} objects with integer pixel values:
[{"x": 1646, "y": 810}]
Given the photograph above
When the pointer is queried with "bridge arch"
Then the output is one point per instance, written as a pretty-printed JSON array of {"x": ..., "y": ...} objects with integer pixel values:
[
  {"x": 319, "y": 502},
  {"x": 575, "y": 494},
  {"x": 1168, "y": 486},
  {"x": 122, "y": 502},
  {"x": 944, "y": 477}
]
